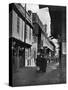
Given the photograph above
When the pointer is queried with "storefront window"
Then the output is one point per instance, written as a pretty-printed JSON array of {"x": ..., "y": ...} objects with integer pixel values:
[{"x": 28, "y": 57}]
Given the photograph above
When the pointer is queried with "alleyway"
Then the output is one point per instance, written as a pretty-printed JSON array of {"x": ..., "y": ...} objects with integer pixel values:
[{"x": 29, "y": 76}]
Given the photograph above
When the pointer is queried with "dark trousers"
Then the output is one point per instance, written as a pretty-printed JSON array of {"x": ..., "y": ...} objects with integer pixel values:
[{"x": 43, "y": 66}]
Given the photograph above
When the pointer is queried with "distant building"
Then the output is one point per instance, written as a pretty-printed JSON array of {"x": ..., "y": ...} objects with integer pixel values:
[{"x": 40, "y": 33}]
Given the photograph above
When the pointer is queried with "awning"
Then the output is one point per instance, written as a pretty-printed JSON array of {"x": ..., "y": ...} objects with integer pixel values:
[
  {"x": 19, "y": 42},
  {"x": 48, "y": 45}
]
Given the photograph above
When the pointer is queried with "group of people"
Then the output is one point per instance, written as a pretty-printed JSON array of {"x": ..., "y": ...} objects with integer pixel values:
[{"x": 41, "y": 63}]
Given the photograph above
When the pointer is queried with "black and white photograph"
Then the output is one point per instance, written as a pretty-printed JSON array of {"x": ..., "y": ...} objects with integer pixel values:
[{"x": 37, "y": 44}]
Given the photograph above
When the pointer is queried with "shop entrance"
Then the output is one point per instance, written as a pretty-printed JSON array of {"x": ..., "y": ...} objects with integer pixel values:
[{"x": 21, "y": 58}]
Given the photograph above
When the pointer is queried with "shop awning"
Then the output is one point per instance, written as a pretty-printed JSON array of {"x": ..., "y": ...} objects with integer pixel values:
[
  {"x": 48, "y": 45},
  {"x": 19, "y": 42}
]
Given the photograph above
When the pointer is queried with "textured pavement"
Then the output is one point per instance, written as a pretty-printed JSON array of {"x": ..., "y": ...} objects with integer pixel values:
[{"x": 29, "y": 76}]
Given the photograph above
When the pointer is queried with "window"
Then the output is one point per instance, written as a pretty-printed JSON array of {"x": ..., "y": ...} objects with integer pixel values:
[
  {"x": 18, "y": 24},
  {"x": 29, "y": 33},
  {"x": 26, "y": 33},
  {"x": 23, "y": 24}
]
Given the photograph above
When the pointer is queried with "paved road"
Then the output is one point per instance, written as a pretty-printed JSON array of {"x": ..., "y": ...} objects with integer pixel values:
[{"x": 29, "y": 76}]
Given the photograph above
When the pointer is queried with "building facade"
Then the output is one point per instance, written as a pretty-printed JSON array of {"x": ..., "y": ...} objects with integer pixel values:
[
  {"x": 27, "y": 36},
  {"x": 42, "y": 39},
  {"x": 20, "y": 36}
]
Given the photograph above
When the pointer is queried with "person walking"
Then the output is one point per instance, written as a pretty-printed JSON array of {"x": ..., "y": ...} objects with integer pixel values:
[
  {"x": 43, "y": 64},
  {"x": 38, "y": 61}
]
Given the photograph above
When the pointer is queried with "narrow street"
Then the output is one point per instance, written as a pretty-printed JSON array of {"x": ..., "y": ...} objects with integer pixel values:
[
  {"x": 36, "y": 40},
  {"x": 29, "y": 76},
  {"x": 52, "y": 66}
]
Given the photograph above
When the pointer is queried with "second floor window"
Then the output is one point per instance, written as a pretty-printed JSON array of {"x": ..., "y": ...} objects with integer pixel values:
[
  {"x": 18, "y": 24},
  {"x": 26, "y": 32},
  {"x": 29, "y": 33}
]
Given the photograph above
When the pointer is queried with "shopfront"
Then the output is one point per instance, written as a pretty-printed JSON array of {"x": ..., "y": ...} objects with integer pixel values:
[{"x": 18, "y": 50}]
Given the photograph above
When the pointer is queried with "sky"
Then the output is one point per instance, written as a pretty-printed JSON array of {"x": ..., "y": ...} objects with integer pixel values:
[
  {"x": 45, "y": 18},
  {"x": 33, "y": 7}
]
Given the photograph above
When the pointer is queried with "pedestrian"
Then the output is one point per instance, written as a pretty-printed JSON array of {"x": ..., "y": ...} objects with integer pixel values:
[
  {"x": 43, "y": 64},
  {"x": 38, "y": 61}
]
